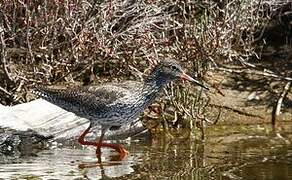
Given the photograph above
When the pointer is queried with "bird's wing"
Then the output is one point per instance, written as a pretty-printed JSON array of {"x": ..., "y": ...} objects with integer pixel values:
[
  {"x": 106, "y": 94},
  {"x": 111, "y": 92},
  {"x": 89, "y": 99},
  {"x": 98, "y": 94}
]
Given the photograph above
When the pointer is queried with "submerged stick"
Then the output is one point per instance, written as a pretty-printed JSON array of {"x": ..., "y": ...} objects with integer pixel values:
[{"x": 277, "y": 110}]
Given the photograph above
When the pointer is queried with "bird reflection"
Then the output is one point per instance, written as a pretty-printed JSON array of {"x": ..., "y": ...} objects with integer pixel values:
[{"x": 114, "y": 161}]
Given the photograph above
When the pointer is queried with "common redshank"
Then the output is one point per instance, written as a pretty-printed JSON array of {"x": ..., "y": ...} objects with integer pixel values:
[{"x": 114, "y": 104}]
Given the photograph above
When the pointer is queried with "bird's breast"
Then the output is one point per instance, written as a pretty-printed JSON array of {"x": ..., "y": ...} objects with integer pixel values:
[{"x": 129, "y": 108}]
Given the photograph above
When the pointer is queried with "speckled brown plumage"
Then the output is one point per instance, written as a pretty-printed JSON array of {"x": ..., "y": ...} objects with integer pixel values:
[{"x": 114, "y": 104}]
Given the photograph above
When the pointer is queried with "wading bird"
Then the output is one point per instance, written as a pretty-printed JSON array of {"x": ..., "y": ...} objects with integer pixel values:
[{"x": 114, "y": 104}]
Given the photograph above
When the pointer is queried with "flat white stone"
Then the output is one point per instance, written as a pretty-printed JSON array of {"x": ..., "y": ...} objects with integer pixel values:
[{"x": 48, "y": 119}]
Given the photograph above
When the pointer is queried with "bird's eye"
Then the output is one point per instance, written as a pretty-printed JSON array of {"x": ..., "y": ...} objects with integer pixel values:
[{"x": 174, "y": 68}]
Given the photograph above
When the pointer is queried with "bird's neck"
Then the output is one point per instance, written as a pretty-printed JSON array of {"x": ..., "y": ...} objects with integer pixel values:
[
  {"x": 155, "y": 80},
  {"x": 151, "y": 88}
]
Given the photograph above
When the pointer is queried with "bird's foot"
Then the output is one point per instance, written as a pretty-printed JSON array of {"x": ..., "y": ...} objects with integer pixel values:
[
  {"x": 99, "y": 144},
  {"x": 117, "y": 147},
  {"x": 121, "y": 150}
]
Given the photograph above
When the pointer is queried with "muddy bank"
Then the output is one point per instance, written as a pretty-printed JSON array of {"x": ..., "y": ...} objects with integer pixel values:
[{"x": 249, "y": 99}]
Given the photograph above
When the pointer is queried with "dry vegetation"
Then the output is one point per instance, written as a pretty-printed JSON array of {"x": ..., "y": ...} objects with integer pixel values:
[{"x": 83, "y": 42}]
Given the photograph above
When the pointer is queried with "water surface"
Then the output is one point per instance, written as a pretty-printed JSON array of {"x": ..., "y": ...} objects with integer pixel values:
[{"x": 253, "y": 154}]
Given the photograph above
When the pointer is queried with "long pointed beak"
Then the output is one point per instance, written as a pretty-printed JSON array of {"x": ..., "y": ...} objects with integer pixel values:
[{"x": 184, "y": 76}]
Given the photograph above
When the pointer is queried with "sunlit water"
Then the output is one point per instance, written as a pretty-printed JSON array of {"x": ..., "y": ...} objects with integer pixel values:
[{"x": 236, "y": 156}]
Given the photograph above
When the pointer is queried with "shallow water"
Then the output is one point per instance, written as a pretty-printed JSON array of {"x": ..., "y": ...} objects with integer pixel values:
[{"x": 258, "y": 154}]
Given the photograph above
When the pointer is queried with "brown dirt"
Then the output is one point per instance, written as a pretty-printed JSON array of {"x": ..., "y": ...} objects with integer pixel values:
[{"x": 248, "y": 99}]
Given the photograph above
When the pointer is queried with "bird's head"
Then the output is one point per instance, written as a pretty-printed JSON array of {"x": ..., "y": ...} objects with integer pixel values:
[{"x": 169, "y": 70}]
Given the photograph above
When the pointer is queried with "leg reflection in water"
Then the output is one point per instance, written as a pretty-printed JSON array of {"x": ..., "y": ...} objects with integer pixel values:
[{"x": 114, "y": 161}]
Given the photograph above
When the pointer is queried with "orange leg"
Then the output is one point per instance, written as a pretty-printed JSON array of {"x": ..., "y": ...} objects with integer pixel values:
[
  {"x": 82, "y": 141},
  {"x": 118, "y": 147}
]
